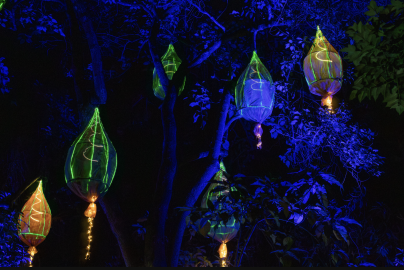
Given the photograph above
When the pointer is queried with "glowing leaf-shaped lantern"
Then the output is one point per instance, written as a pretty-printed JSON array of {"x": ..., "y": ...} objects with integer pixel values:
[
  {"x": 255, "y": 94},
  {"x": 171, "y": 62},
  {"x": 90, "y": 166},
  {"x": 323, "y": 69},
  {"x": 2, "y": 3},
  {"x": 220, "y": 232},
  {"x": 35, "y": 221}
]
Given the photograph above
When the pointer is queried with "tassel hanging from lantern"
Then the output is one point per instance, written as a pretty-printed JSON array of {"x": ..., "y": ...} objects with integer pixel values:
[
  {"x": 255, "y": 94},
  {"x": 35, "y": 221},
  {"x": 171, "y": 62},
  {"x": 258, "y": 133},
  {"x": 323, "y": 69},
  {"x": 90, "y": 167},
  {"x": 223, "y": 254}
]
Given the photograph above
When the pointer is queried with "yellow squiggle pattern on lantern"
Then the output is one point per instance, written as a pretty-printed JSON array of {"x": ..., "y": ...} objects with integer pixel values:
[
  {"x": 92, "y": 145},
  {"x": 37, "y": 201},
  {"x": 255, "y": 81}
]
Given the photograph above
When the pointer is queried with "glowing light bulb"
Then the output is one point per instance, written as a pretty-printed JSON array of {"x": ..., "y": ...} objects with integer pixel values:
[{"x": 223, "y": 254}]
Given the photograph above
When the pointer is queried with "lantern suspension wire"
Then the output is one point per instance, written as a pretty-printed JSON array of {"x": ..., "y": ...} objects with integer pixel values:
[
  {"x": 92, "y": 142},
  {"x": 255, "y": 38}
]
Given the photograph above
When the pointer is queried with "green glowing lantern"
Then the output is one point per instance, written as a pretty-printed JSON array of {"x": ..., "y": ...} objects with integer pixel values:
[
  {"x": 2, "y": 3},
  {"x": 323, "y": 69},
  {"x": 221, "y": 232},
  {"x": 255, "y": 95},
  {"x": 171, "y": 62},
  {"x": 90, "y": 166}
]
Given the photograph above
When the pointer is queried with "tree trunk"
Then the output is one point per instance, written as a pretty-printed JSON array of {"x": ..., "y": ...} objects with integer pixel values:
[
  {"x": 196, "y": 191},
  {"x": 155, "y": 241},
  {"x": 121, "y": 229},
  {"x": 155, "y": 233},
  {"x": 100, "y": 96}
]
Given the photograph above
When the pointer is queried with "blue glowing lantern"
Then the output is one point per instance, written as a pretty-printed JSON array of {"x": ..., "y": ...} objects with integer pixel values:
[{"x": 255, "y": 95}]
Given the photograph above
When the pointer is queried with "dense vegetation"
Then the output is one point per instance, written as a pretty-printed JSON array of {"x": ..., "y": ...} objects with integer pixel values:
[{"x": 325, "y": 190}]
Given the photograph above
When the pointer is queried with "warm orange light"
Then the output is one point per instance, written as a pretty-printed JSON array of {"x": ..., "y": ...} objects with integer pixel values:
[
  {"x": 327, "y": 101},
  {"x": 222, "y": 254},
  {"x": 90, "y": 237}
]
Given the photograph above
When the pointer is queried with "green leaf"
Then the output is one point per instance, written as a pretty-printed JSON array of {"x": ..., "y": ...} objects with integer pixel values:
[
  {"x": 287, "y": 242},
  {"x": 286, "y": 261},
  {"x": 205, "y": 229},
  {"x": 353, "y": 94},
  {"x": 210, "y": 205},
  {"x": 400, "y": 109}
]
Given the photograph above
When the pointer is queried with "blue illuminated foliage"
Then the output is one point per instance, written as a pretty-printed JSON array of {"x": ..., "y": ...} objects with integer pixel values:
[{"x": 12, "y": 252}]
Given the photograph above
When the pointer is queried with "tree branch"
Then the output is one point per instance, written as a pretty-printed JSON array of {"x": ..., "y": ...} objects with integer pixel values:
[
  {"x": 95, "y": 50},
  {"x": 231, "y": 120},
  {"x": 207, "y": 14},
  {"x": 205, "y": 55},
  {"x": 209, "y": 172},
  {"x": 21, "y": 191}
]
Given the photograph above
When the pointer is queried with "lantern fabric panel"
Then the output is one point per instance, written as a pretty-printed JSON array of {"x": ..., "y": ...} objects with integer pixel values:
[
  {"x": 91, "y": 162},
  {"x": 255, "y": 90},
  {"x": 171, "y": 62},
  {"x": 213, "y": 196},
  {"x": 323, "y": 67},
  {"x": 35, "y": 220},
  {"x": 224, "y": 233}
]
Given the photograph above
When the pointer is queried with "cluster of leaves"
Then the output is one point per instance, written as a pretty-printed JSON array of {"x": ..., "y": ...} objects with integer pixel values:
[
  {"x": 195, "y": 259},
  {"x": 378, "y": 54},
  {"x": 301, "y": 225},
  {"x": 62, "y": 122},
  {"x": 202, "y": 103},
  {"x": 310, "y": 135},
  {"x": 11, "y": 250},
  {"x": 4, "y": 79}
]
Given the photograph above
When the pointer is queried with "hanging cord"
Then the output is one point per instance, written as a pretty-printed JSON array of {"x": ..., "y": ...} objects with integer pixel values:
[
  {"x": 90, "y": 237},
  {"x": 258, "y": 133},
  {"x": 255, "y": 37},
  {"x": 90, "y": 214}
]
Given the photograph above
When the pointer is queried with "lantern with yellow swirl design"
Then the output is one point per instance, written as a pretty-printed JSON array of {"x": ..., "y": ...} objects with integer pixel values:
[
  {"x": 35, "y": 221},
  {"x": 323, "y": 69},
  {"x": 90, "y": 167}
]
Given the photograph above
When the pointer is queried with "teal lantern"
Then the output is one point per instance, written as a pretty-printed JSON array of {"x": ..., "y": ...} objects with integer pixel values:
[
  {"x": 255, "y": 95},
  {"x": 171, "y": 62}
]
